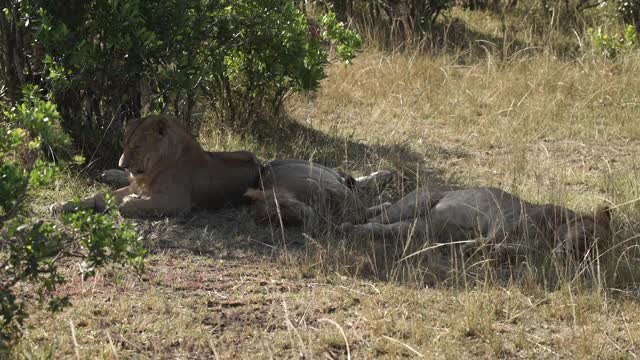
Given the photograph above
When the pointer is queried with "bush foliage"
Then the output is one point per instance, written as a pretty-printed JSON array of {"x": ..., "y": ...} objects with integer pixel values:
[
  {"x": 106, "y": 61},
  {"x": 30, "y": 249},
  {"x": 611, "y": 45},
  {"x": 97, "y": 64}
]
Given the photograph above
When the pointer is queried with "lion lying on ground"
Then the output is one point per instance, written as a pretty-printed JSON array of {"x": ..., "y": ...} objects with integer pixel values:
[
  {"x": 491, "y": 216},
  {"x": 300, "y": 192},
  {"x": 170, "y": 173}
]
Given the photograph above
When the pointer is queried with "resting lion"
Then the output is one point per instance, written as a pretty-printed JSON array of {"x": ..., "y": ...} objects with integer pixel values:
[
  {"x": 446, "y": 215},
  {"x": 170, "y": 173},
  {"x": 300, "y": 192}
]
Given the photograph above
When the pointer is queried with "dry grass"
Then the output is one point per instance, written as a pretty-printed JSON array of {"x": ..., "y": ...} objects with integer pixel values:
[
  {"x": 191, "y": 306},
  {"x": 546, "y": 128}
]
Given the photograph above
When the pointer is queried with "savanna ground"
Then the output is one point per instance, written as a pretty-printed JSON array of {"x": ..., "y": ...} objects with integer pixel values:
[{"x": 493, "y": 106}]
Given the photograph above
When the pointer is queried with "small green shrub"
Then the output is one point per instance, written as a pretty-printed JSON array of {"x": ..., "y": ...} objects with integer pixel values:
[
  {"x": 612, "y": 45},
  {"x": 261, "y": 51},
  {"x": 32, "y": 249}
]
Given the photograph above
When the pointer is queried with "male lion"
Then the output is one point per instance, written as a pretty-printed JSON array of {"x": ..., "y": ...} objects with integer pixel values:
[
  {"x": 170, "y": 173},
  {"x": 495, "y": 216},
  {"x": 300, "y": 192}
]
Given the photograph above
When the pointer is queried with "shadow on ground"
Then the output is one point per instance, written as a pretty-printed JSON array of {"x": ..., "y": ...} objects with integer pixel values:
[
  {"x": 451, "y": 35},
  {"x": 232, "y": 234},
  {"x": 286, "y": 138}
]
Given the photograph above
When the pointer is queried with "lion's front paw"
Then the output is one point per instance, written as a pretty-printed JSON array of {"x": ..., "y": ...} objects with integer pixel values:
[
  {"x": 62, "y": 208},
  {"x": 55, "y": 209},
  {"x": 129, "y": 207},
  {"x": 131, "y": 197}
]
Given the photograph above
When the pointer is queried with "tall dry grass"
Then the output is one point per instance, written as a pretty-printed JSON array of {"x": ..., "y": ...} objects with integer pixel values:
[{"x": 496, "y": 104}]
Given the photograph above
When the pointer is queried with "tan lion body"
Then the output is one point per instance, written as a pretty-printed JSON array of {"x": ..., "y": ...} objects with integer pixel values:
[
  {"x": 447, "y": 215},
  {"x": 303, "y": 192},
  {"x": 171, "y": 173}
]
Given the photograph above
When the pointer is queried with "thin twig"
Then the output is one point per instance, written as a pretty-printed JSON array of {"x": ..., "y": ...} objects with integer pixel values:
[
  {"x": 213, "y": 349},
  {"x": 291, "y": 328},
  {"x": 435, "y": 247},
  {"x": 344, "y": 336},
  {"x": 76, "y": 346},
  {"x": 403, "y": 344}
]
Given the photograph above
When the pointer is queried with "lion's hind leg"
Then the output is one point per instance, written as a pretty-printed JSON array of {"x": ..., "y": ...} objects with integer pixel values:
[
  {"x": 280, "y": 207},
  {"x": 377, "y": 210},
  {"x": 397, "y": 230}
]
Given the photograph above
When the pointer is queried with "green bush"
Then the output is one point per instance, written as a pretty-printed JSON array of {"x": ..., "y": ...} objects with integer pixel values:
[
  {"x": 262, "y": 51},
  {"x": 30, "y": 249},
  {"x": 106, "y": 61},
  {"x": 612, "y": 45}
]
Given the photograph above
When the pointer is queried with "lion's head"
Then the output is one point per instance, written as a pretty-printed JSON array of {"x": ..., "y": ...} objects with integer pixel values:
[
  {"x": 152, "y": 143},
  {"x": 583, "y": 232}
]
